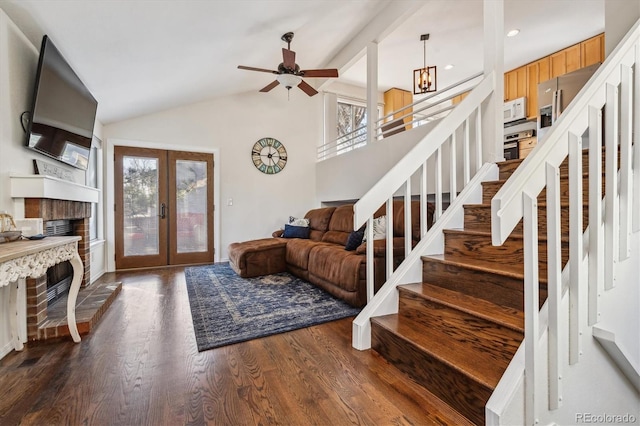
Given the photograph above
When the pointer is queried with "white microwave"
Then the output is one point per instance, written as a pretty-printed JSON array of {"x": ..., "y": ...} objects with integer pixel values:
[{"x": 515, "y": 110}]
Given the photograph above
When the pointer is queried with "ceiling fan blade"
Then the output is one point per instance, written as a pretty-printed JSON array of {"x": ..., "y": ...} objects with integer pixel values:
[
  {"x": 304, "y": 86},
  {"x": 270, "y": 86},
  {"x": 320, "y": 73},
  {"x": 289, "y": 58},
  {"x": 242, "y": 67}
]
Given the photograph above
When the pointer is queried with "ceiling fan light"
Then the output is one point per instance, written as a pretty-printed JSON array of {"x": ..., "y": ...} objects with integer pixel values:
[{"x": 288, "y": 80}]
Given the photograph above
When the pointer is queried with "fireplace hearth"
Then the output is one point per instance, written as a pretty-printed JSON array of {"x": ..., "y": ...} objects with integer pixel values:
[{"x": 60, "y": 217}]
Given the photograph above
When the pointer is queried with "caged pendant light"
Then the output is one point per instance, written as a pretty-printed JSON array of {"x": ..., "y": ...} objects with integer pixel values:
[{"x": 424, "y": 79}]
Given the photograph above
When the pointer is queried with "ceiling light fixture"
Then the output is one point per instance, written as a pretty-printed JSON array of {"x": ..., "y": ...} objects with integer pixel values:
[
  {"x": 288, "y": 81},
  {"x": 424, "y": 79},
  {"x": 448, "y": 67},
  {"x": 513, "y": 33}
]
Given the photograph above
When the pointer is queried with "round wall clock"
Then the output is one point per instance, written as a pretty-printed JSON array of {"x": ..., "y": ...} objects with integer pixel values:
[{"x": 269, "y": 156}]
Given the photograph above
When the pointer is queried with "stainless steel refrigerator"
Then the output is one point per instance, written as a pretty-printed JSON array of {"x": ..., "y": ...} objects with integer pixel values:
[{"x": 556, "y": 94}]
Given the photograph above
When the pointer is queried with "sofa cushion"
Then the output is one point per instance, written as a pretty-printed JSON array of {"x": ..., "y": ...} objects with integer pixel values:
[
  {"x": 380, "y": 247},
  {"x": 258, "y": 257},
  {"x": 355, "y": 239},
  {"x": 291, "y": 231},
  {"x": 334, "y": 264},
  {"x": 379, "y": 228},
  {"x": 297, "y": 253},
  {"x": 319, "y": 221},
  {"x": 340, "y": 226},
  {"x": 398, "y": 217},
  {"x": 295, "y": 221}
]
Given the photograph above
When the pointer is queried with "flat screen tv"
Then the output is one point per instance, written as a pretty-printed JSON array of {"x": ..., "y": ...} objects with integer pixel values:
[{"x": 63, "y": 111}]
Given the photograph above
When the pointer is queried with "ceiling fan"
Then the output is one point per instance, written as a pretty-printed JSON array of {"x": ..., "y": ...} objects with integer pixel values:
[{"x": 289, "y": 73}]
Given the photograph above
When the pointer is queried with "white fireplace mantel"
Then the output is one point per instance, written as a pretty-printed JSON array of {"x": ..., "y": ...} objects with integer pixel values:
[{"x": 42, "y": 186}]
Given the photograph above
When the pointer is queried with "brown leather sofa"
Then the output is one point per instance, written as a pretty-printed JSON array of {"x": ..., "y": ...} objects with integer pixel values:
[{"x": 322, "y": 259}]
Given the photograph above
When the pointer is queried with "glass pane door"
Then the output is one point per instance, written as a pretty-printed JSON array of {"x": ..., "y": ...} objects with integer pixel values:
[
  {"x": 141, "y": 208},
  {"x": 191, "y": 206},
  {"x": 164, "y": 207},
  {"x": 140, "y": 186},
  {"x": 191, "y": 189}
]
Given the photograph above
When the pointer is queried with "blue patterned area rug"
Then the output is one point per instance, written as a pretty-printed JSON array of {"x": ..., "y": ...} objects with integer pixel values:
[{"x": 227, "y": 309}]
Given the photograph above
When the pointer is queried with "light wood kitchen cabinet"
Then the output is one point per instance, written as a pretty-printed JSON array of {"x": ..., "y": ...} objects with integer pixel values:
[
  {"x": 537, "y": 72},
  {"x": 394, "y": 99},
  {"x": 457, "y": 99},
  {"x": 592, "y": 51},
  {"x": 565, "y": 61},
  {"x": 525, "y": 146},
  {"x": 515, "y": 84}
]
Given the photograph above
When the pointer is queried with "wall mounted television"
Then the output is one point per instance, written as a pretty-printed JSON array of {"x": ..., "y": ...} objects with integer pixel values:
[{"x": 63, "y": 111}]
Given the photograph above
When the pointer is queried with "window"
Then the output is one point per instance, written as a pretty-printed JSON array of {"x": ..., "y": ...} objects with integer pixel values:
[
  {"x": 352, "y": 126},
  {"x": 94, "y": 170}
]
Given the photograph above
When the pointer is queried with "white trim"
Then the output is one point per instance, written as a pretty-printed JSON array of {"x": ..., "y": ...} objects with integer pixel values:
[{"x": 42, "y": 186}]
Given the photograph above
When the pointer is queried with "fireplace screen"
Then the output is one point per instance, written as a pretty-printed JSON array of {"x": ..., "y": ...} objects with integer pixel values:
[{"x": 59, "y": 276}]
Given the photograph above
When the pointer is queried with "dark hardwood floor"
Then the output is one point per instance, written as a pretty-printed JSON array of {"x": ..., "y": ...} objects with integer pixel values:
[{"x": 140, "y": 366}]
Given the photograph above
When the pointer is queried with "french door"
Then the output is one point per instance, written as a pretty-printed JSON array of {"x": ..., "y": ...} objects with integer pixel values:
[{"x": 164, "y": 207}]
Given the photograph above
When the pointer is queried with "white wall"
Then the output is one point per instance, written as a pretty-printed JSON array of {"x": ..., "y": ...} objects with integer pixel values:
[
  {"x": 619, "y": 17},
  {"x": 350, "y": 175},
  {"x": 595, "y": 385},
  {"x": 231, "y": 125},
  {"x": 18, "y": 63}
]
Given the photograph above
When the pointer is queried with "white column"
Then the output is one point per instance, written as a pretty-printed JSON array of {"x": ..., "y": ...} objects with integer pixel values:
[
  {"x": 330, "y": 121},
  {"x": 372, "y": 90},
  {"x": 492, "y": 125}
]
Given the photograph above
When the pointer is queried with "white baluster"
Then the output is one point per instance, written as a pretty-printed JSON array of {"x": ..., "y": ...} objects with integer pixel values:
[
  {"x": 554, "y": 283},
  {"x": 575, "y": 248},
  {"x": 531, "y": 304},
  {"x": 596, "y": 246},
  {"x": 611, "y": 216},
  {"x": 626, "y": 131}
]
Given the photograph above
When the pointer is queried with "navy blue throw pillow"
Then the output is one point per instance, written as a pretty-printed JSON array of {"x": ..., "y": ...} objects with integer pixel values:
[
  {"x": 291, "y": 231},
  {"x": 355, "y": 239}
]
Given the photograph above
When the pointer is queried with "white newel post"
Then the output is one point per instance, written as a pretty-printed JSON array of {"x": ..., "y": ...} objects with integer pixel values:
[
  {"x": 492, "y": 126},
  {"x": 372, "y": 90}
]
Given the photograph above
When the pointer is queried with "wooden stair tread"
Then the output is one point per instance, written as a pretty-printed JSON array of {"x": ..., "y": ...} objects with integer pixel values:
[
  {"x": 503, "y": 181},
  {"x": 501, "y": 315},
  {"x": 457, "y": 330},
  {"x": 514, "y": 235},
  {"x": 485, "y": 205},
  {"x": 477, "y": 365},
  {"x": 513, "y": 271}
]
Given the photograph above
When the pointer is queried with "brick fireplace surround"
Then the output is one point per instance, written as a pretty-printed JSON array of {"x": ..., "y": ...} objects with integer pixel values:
[{"x": 50, "y": 209}]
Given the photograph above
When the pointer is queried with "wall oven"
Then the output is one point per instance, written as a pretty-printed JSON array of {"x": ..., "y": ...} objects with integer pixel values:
[{"x": 512, "y": 143}]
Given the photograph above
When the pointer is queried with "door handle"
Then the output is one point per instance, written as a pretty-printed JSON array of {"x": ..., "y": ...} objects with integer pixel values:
[
  {"x": 559, "y": 103},
  {"x": 163, "y": 209}
]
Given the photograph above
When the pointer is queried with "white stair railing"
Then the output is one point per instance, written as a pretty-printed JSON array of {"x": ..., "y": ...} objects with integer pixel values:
[
  {"x": 607, "y": 107},
  {"x": 423, "y": 110},
  {"x": 424, "y": 162}
]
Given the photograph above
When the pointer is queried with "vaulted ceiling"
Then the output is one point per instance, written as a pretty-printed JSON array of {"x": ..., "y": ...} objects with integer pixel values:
[{"x": 142, "y": 56}]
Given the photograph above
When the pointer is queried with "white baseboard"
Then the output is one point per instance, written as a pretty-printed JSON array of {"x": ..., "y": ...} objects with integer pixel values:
[{"x": 6, "y": 350}]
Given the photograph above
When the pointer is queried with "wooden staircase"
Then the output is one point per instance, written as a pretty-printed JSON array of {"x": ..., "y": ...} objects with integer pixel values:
[{"x": 456, "y": 332}]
